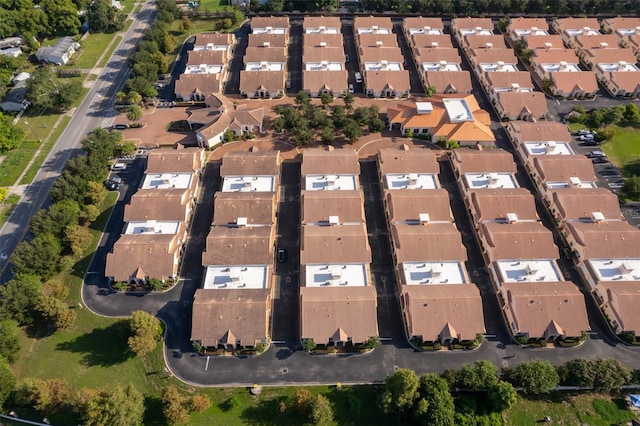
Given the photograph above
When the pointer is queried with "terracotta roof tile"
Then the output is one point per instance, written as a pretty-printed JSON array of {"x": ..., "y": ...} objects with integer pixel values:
[
  {"x": 259, "y": 208},
  {"x": 407, "y": 204},
  {"x": 432, "y": 241},
  {"x": 317, "y": 206},
  {"x": 334, "y": 244},
  {"x": 520, "y": 240}
]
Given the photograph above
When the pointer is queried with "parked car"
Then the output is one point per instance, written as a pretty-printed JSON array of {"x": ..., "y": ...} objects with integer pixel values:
[
  {"x": 346, "y": 57},
  {"x": 599, "y": 160},
  {"x": 596, "y": 154},
  {"x": 351, "y": 90},
  {"x": 120, "y": 126},
  {"x": 358, "y": 77},
  {"x": 111, "y": 185},
  {"x": 282, "y": 255},
  {"x": 583, "y": 132},
  {"x": 119, "y": 166}
]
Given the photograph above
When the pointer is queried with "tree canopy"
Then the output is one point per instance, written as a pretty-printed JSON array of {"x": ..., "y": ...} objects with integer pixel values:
[
  {"x": 45, "y": 90},
  {"x": 19, "y": 297},
  {"x": 11, "y": 136},
  {"x": 145, "y": 330},
  {"x": 7, "y": 381},
  {"x": 9, "y": 340},
  {"x": 121, "y": 406},
  {"x": 536, "y": 376},
  {"x": 400, "y": 391},
  {"x": 104, "y": 18}
]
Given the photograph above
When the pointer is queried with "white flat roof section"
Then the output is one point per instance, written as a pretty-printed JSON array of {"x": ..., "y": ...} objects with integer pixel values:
[
  {"x": 433, "y": 273},
  {"x": 269, "y": 30},
  {"x": 324, "y": 66},
  {"x": 490, "y": 180},
  {"x": 474, "y": 31},
  {"x": 521, "y": 271},
  {"x": 458, "y": 110},
  {"x": 573, "y": 183},
  {"x": 582, "y": 31},
  {"x": 530, "y": 32},
  {"x": 374, "y": 30},
  {"x": 152, "y": 227},
  {"x": 203, "y": 69},
  {"x": 621, "y": 66},
  {"x": 425, "y": 30},
  {"x": 548, "y": 148},
  {"x": 351, "y": 275},
  {"x": 561, "y": 67},
  {"x": 167, "y": 181},
  {"x": 264, "y": 66},
  {"x": 622, "y": 32},
  {"x": 322, "y": 30},
  {"x": 236, "y": 277},
  {"x": 412, "y": 181},
  {"x": 441, "y": 66},
  {"x": 498, "y": 67},
  {"x": 248, "y": 184},
  {"x": 330, "y": 182},
  {"x": 615, "y": 269},
  {"x": 211, "y": 47},
  {"x": 382, "y": 66}
]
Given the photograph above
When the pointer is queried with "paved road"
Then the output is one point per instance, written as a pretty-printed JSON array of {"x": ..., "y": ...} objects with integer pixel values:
[{"x": 94, "y": 111}]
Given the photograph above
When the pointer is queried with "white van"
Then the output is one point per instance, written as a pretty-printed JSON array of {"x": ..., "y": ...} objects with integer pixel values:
[
  {"x": 358, "y": 77},
  {"x": 119, "y": 166}
]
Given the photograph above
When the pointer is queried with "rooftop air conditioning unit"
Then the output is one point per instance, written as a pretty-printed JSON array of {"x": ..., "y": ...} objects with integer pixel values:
[
  {"x": 515, "y": 87},
  {"x": 323, "y": 44},
  {"x": 424, "y": 218},
  {"x": 322, "y": 29},
  {"x": 563, "y": 63},
  {"x": 597, "y": 217},
  {"x": 443, "y": 63},
  {"x": 374, "y": 28},
  {"x": 478, "y": 28},
  {"x": 413, "y": 179},
  {"x": 241, "y": 221},
  {"x": 534, "y": 28},
  {"x": 436, "y": 270},
  {"x": 247, "y": 184},
  {"x": 234, "y": 276},
  {"x": 488, "y": 45},
  {"x": 379, "y": 43},
  {"x": 551, "y": 146},
  {"x": 574, "y": 181},
  {"x": 269, "y": 29},
  {"x": 493, "y": 178},
  {"x": 531, "y": 269},
  {"x": 548, "y": 45},
  {"x": 434, "y": 44},
  {"x": 334, "y": 220},
  {"x": 625, "y": 268},
  {"x": 586, "y": 28},
  {"x": 512, "y": 217},
  {"x": 604, "y": 44},
  {"x": 336, "y": 273},
  {"x": 500, "y": 64}
]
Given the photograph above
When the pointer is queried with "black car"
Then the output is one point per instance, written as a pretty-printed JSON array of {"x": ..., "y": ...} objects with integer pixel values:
[
  {"x": 599, "y": 160},
  {"x": 282, "y": 256},
  {"x": 112, "y": 184}
]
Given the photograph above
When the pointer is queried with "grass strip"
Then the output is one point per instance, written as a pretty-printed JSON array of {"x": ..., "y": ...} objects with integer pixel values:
[{"x": 33, "y": 170}]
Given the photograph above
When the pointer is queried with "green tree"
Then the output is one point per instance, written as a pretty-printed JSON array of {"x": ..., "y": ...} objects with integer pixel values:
[
  {"x": 400, "y": 391},
  {"x": 302, "y": 400},
  {"x": 362, "y": 115},
  {"x": 631, "y": 113},
  {"x": 47, "y": 396},
  {"x": 301, "y": 135},
  {"x": 121, "y": 406},
  {"x": 501, "y": 396},
  {"x": 338, "y": 115},
  {"x": 278, "y": 124},
  {"x": 308, "y": 345},
  {"x": 229, "y": 135},
  {"x": 200, "y": 403},
  {"x": 328, "y": 134},
  {"x": 7, "y": 381},
  {"x": 56, "y": 219},
  {"x": 11, "y": 136},
  {"x": 536, "y": 377},
  {"x": 134, "y": 113},
  {"x": 376, "y": 125},
  {"x": 321, "y": 411},
  {"x": 326, "y": 99},
  {"x": 134, "y": 97},
  {"x": 19, "y": 297},
  {"x": 62, "y": 16},
  {"x": 9, "y": 340},
  {"x": 352, "y": 130},
  {"x": 303, "y": 98},
  {"x": 631, "y": 187},
  {"x": 145, "y": 332},
  {"x": 46, "y": 91},
  {"x": 482, "y": 375},
  {"x": 348, "y": 100},
  {"x": 103, "y": 17},
  {"x": 121, "y": 97},
  {"x": 439, "y": 409},
  {"x": 174, "y": 406},
  {"x": 40, "y": 256}
]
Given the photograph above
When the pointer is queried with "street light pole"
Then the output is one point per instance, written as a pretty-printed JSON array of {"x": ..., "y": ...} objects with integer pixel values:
[{"x": 33, "y": 131}]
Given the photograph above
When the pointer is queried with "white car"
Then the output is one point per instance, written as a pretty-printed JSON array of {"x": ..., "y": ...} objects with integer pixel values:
[
  {"x": 119, "y": 166},
  {"x": 351, "y": 90},
  {"x": 358, "y": 77}
]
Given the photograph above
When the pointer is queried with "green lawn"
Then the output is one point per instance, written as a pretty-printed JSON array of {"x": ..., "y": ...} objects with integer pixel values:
[
  {"x": 15, "y": 162},
  {"x": 574, "y": 127},
  {"x": 33, "y": 170},
  {"x": 594, "y": 410},
  {"x": 213, "y": 5},
  {"x": 92, "y": 48},
  {"x": 624, "y": 150}
]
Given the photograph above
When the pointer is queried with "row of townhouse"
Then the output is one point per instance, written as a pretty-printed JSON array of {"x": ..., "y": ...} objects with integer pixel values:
[
  {"x": 157, "y": 218},
  {"x": 233, "y": 308},
  {"x": 265, "y": 60},
  {"x": 536, "y": 300},
  {"x": 439, "y": 302},
  {"x": 338, "y": 300},
  {"x": 610, "y": 56},
  {"x": 603, "y": 245},
  {"x": 323, "y": 57},
  {"x": 437, "y": 61},
  {"x": 207, "y": 66},
  {"x": 510, "y": 90},
  {"x": 550, "y": 60},
  {"x": 382, "y": 64}
]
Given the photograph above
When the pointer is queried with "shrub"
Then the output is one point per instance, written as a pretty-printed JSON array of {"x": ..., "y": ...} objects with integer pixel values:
[{"x": 309, "y": 345}]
